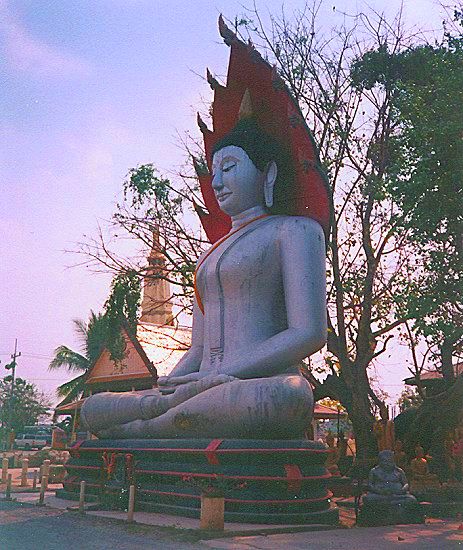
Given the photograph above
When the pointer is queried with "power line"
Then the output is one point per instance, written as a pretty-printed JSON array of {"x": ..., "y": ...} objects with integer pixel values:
[
  {"x": 33, "y": 355},
  {"x": 36, "y": 356}
]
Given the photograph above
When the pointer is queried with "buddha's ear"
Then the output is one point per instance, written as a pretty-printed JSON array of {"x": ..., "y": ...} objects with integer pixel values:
[{"x": 269, "y": 183}]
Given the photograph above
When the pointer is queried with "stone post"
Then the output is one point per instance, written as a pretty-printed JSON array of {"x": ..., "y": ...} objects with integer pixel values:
[
  {"x": 5, "y": 463},
  {"x": 212, "y": 513},
  {"x": 8, "y": 487},
  {"x": 43, "y": 488},
  {"x": 131, "y": 507},
  {"x": 82, "y": 497},
  {"x": 46, "y": 468},
  {"x": 24, "y": 468}
]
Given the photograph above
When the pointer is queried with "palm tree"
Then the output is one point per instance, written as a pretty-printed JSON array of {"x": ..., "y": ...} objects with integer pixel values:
[{"x": 94, "y": 337}]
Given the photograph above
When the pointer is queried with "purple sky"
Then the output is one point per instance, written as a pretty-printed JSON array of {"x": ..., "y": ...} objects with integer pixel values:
[{"x": 90, "y": 89}]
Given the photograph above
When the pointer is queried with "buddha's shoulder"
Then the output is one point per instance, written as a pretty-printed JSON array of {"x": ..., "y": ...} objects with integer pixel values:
[{"x": 289, "y": 226}]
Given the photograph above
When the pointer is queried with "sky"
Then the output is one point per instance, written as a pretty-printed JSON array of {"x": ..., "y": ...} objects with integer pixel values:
[{"x": 91, "y": 88}]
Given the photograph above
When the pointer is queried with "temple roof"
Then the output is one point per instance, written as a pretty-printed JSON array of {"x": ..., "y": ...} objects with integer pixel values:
[
  {"x": 154, "y": 352},
  {"x": 431, "y": 375},
  {"x": 324, "y": 412}
]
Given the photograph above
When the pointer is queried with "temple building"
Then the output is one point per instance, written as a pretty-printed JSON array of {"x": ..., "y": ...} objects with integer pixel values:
[{"x": 432, "y": 380}]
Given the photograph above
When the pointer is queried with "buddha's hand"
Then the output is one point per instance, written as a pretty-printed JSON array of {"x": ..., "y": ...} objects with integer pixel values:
[
  {"x": 168, "y": 384},
  {"x": 202, "y": 382}
]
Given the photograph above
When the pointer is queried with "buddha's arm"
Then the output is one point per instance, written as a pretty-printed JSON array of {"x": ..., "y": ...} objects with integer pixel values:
[
  {"x": 191, "y": 360},
  {"x": 302, "y": 254}
]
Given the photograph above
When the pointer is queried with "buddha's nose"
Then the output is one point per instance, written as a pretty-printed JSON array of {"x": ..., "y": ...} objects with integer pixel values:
[{"x": 217, "y": 182}]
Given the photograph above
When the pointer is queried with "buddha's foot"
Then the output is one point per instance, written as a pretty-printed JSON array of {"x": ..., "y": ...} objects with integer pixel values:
[{"x": 103, "y": 410}]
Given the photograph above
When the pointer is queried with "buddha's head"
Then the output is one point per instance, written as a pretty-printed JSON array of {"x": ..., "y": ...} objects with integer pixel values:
[
  {"x": 249, "y": 169},
  {"x": 386, "y": 460}
]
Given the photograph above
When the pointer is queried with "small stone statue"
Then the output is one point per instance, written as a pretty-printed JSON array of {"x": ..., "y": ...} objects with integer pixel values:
[
  {"x": 387, "y": 482},
  {"x": 333, "y": 457},
  {"x": 388, "y": 500}
]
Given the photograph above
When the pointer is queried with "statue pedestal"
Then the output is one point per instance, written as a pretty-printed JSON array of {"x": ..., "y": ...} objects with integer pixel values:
[
  {"x": 388, "y": 513},
  {"x": 264, "y": 481}
]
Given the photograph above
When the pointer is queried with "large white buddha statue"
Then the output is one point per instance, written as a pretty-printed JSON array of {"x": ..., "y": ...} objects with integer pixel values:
[{"x": 259, "y": 310}]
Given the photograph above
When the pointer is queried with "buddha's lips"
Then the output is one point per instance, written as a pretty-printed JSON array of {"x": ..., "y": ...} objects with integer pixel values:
[{"x": 223, "y": 196}]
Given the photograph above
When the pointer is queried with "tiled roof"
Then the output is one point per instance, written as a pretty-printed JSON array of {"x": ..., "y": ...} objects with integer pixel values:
[
  {"x": 322, "y": 411},
  {"x": 434, "y": 374}
]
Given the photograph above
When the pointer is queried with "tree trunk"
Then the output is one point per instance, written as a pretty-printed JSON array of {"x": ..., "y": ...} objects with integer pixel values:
[
  {"x": 352, "y": 392},
  {"x": 362, "y": 423}
]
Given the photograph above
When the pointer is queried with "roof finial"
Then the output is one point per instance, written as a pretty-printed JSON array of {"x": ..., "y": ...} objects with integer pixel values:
[
  {"x": 213, "y": 82},
  {"x": 246, "y": 106},
  {"x": 202, "y": 125},
  {"x": 227, "y": 34}
]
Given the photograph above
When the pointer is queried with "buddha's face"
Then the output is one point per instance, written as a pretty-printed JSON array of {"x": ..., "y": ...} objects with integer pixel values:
[
  {"x": 238, "y": 185},
  {"x": 386, "y": 461}
]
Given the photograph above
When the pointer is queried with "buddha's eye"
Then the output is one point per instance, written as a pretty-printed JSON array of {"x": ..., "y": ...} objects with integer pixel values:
[{"x": 228, "y": 167}]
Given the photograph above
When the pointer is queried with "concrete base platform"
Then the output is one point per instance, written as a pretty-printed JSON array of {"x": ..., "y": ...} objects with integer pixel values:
[{"x": 263, "y": 481}]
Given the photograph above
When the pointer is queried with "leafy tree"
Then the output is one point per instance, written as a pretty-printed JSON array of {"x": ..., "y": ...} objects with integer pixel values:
[
  {"x": 121, "y": 310},
  {"x": 28, "y": 405},
  {"x": 102, "y": 330},
  {"x": 426, "y": 174}
]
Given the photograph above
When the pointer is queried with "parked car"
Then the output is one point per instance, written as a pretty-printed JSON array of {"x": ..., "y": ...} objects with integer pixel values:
[{"x": 30, "y": 441}]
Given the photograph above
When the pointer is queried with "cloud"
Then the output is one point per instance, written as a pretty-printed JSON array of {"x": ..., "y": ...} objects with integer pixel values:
[{"x": 25, "y": 53}]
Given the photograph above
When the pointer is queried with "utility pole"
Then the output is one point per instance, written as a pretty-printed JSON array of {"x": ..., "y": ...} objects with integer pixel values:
[{"x": 11, "y": 366}]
